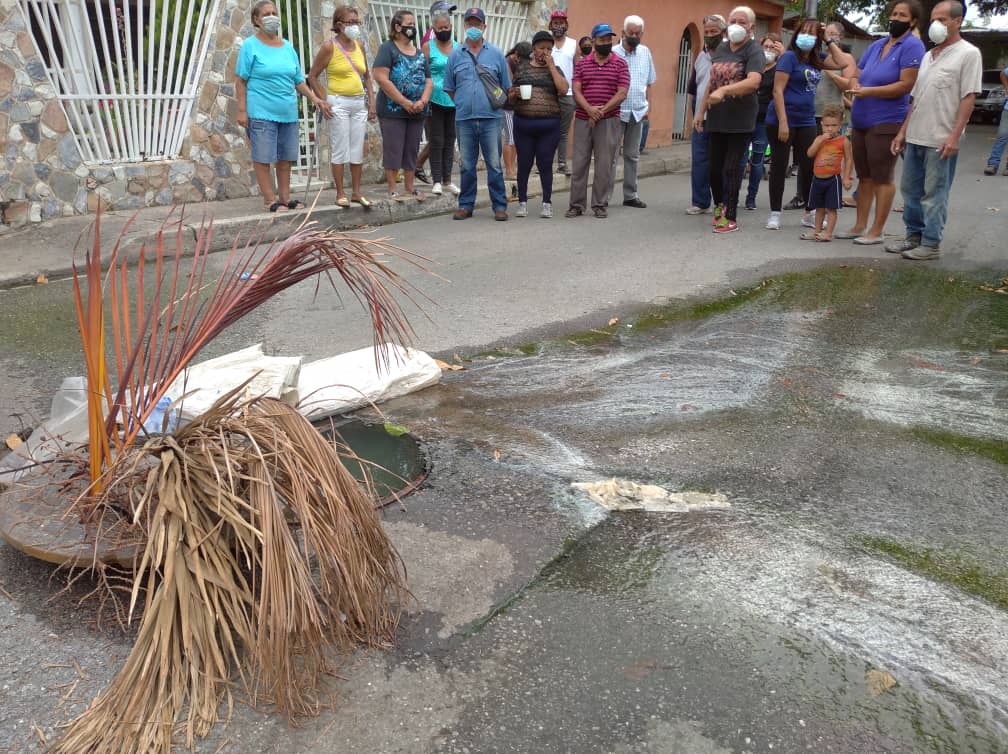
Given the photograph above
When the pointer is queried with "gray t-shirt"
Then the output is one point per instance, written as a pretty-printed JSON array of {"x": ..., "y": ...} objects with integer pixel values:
[
  {"x": 827, "y": 93},
  {"x": 734, "y": 114}
]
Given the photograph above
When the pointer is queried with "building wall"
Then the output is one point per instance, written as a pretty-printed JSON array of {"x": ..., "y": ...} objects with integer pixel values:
[{"x": 664, "y": 24}]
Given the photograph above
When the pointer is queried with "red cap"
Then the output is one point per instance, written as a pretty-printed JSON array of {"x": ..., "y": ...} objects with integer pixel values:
[{"x": 558, "y": 14}]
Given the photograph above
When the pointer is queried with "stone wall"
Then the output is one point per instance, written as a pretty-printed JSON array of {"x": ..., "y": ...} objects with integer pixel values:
[{"x": 43, "y": 175}]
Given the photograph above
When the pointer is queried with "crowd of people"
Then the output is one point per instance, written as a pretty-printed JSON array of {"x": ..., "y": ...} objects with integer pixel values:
[{"x": 553, "y": 96}]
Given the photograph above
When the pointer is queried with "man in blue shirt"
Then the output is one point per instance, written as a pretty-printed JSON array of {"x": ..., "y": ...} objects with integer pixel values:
[{"x": 477, "y": 124}]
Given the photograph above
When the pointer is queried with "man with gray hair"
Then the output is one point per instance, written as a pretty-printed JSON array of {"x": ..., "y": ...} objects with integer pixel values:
[
  {"x": 714, "y": 27},
  {"x": 635, "y": 107},
  {"x": 941, "y": 103}
]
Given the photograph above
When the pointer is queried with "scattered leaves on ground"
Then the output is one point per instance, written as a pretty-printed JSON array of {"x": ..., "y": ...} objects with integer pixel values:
[
  {"x": 13, "y": 441},
  {"x": 613, "y": 322},
  {"x": 396, "y": 430},
  {"x": 496, "y": 454},
  {"x": 41, "y": 279},
  {"x": 879, "y": 681},
  {"x": 445, "y": 366}
]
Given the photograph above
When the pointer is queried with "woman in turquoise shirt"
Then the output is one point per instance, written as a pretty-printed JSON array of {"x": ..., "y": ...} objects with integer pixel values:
[
  {"x": 441, "y": 120},
  {"x": 269, "y": 76}
]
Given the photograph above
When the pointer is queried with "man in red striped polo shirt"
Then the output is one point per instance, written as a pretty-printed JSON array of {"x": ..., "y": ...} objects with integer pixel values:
[{"x": 601, "y": 81}]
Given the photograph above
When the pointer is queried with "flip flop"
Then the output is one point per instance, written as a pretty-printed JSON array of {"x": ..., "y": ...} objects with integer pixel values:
[
  {"x": 865, "y": 241},
  {"x": 295, "y": 204},
  {"x": 809, "y": 235},
  {"x": 846, "y": 235},
  {"x": 823, "y": 239},
  {"x": 343, "y": 202},
  {"x": 275, "y": 206},
  {"x": 362, "y": 201},
  {"x": 419, "y": 195}
]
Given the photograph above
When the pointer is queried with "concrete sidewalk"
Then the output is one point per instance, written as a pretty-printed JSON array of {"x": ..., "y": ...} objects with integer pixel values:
[{"x": 48, "y": 248}]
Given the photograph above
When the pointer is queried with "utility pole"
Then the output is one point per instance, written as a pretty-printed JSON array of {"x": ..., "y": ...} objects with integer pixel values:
[{"x": 811, "y": 8}]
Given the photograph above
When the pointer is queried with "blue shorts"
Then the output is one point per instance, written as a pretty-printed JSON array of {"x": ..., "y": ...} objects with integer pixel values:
[
  {"x": 825, "y": 193},
  {"x": 272, "y": 141}
]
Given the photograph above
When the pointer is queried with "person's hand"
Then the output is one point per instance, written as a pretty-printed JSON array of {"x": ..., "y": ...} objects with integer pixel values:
[
  {"x": 324, "y": 107},
  {"x": 783, "y": 133},
  {"x": 595, "y": 114},
  {"x": 949, "y": 148},
  {"x": 371, "y": 114},
  {"x": 898, "y": 142},
  {"x": 779, "y": 48},
  {"x": 854, "y": 90},
  {"x": 513, "y": 93},
  {"x": 847, "y": 183},
  {"x": 242, "y": 118},
  {"x": 715, "y": 98},
  {"x": 698, "y": 125}
]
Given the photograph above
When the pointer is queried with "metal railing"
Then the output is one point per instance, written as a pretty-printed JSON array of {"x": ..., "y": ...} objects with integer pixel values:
[{"x": 506, "y": 21}]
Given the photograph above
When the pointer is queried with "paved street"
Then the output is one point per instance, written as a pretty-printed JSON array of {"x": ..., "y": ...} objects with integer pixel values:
[{"x": 817, "y": 407}]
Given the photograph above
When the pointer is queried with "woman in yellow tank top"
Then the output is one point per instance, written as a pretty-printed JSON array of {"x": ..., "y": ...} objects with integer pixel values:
[{"x": 348, "y": 92}]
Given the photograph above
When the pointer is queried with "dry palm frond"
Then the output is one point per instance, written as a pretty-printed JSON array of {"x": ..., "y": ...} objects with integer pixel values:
[
  {"x": 228, "y": 586},
  {"x": 156, "y": 335}
]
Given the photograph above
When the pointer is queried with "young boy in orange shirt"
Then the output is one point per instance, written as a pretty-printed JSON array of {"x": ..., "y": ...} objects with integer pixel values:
[{"x": 831, "y": 155}]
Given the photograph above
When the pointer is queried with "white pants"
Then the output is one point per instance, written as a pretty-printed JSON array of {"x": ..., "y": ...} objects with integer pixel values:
[{"x": 347, "y": 128}]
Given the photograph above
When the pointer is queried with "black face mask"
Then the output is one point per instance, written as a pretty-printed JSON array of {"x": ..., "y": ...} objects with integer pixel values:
[
  {"x": 443, "y": 36},
  {"x": 559, "y": 32},
  {"x": 631, "y": 42},
  {"x": 898, "y": 28},
  {"x": 712, "y": 42},
  {"x": 586, "y": 50},
  {"x": 603, "y": 50},
  {"x": 408, "y": 31}
]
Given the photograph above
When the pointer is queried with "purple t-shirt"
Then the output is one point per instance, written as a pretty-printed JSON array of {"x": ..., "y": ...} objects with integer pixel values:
[{"x": 870, "y": 111}]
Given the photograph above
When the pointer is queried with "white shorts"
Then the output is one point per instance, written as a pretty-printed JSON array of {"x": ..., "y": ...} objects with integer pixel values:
[{"x": 347, "y": 128}]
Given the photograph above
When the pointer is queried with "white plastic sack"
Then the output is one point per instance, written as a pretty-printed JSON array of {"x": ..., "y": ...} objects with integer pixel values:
[
  {"x": 625, "y": 495},
  {"x": 204, "y": 383},
  {"x": 343, "y": 383}
]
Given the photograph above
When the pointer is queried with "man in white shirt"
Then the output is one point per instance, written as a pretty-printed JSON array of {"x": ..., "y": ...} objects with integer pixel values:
[
  {"x": 564, "y": 48},
  {"x": 635, "y": 106},
  {"x": 942, "y": 101}
]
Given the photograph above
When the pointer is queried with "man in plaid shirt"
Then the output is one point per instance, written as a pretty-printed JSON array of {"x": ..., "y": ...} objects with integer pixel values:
[{"x": 634, "y": 108}]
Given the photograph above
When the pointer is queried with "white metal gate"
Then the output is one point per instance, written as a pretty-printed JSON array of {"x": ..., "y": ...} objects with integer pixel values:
[
  {"x": 126, "y": 73},
  {"x": 506, "y": 21},
  {"x": 679, "y": 126},
  {"x": 297, "y": 19}
]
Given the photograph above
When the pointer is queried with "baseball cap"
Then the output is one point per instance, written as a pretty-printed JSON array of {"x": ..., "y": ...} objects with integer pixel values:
[
  {"x": 602, "y": 30},
  {"x": 441, "y": 6},
  {"x": 542, "y": 36},
  {"x": 558, "y": 14},
  {"x": 475, "y": 13}
]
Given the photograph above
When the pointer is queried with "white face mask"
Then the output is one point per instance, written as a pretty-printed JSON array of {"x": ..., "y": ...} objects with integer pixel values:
[
  {"x": 270, "y": 24},
  {"x": 352, "y": 32},
  {"x": 770, "y": 55},
  {"x": 938, "y": 32},
  {"x": 736, "y": 33}
]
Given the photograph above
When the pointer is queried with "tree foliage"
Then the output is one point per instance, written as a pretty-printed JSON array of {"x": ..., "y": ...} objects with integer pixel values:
[{"x": 876, "y": 8}]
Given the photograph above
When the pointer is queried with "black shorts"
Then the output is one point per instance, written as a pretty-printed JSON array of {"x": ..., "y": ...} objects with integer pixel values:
[{"x": 826, "y": 193}]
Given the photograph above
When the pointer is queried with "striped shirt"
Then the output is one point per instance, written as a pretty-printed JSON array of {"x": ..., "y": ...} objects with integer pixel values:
[
  {"x": 600, "y": 82},
  {"x": 642, "y": 75}
]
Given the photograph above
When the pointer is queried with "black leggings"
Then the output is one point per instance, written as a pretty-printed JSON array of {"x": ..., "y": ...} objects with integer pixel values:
[
  {"x": 536, "y": 140},
  {"x": 725, "y": 155},
  {"x": 441, "y": 140},
  {"x": 801, "y": 139}
]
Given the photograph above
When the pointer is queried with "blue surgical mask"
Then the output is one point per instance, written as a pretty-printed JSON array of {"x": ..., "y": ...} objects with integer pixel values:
[
  {"x": 805, "y": 42},
  {"x": 474, "y": 34}
]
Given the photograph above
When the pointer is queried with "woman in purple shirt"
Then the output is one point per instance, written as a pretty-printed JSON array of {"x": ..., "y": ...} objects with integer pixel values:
[{"x": 881, "y": 93}]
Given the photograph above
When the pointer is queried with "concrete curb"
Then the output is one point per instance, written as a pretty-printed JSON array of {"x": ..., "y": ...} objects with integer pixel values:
[{"x": 23, "y": 266}]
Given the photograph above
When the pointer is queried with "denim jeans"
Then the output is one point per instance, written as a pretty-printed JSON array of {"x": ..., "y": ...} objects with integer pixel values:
[
  {"x": 700, "y": 169},
  {"x": 476, "y": 135},
  {"x": 756, "y": 158},
  {"x": 999, "y": 142},
  {"x": 927, "y": 180}
]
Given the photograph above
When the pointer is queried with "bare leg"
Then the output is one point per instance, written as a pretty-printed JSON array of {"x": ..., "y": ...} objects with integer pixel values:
[
  {"x": 390, "y": 179},
  {"x": 337, "y": 174},
  {"x": 422, "y": 157},
  {"x": 884, "y": 195},
  {"x": 407, "y": 180},
  {"x": 265, "y": 180},
  {"x": 283, "y": 173},
  {"x": 820, "y": 215},
  {"x": 510, "y": 155},
  {"x": 355, "y": 180},
  {"x": 831, "y": 218},
  {"x": 865, "y": 197}
]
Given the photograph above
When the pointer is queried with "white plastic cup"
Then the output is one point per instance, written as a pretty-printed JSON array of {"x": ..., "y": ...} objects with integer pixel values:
[{"x": 526, "y": 91}]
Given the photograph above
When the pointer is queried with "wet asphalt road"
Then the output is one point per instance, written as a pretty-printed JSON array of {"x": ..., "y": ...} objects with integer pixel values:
[{"x": 543, "y": 625}]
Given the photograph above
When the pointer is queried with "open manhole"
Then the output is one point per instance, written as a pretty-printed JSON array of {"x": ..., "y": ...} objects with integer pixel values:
[{"x": 33, "y": 512}]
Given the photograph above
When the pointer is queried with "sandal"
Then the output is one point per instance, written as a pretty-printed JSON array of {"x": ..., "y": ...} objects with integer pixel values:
[
  {"x": 395, "y": 196},
  {"x": 823, "y": 238},
  {"x": 295, "y": 204},
  {"x": 362, "y": 201},
  {"x": 275, "y": 206},
  {"x": 419, "y": 195},
  {"x": 343, "y": 202},
  {"x": 809, "y": 235}
]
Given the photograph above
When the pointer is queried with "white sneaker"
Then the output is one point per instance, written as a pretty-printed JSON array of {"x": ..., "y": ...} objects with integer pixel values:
[
  {"x": 774, "y": 222},
  {"x": 522, "y": 210},
  {"x": 547, "y": 210},
  {"x": 694, "y": 210},
  {"x": 436, "y": 189},
  {"x": 808, "y": 220},
  {"x": 454, "y": 189}
]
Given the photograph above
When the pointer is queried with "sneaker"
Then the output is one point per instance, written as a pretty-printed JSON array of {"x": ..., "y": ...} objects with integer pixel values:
[
  {"x": 436, "y": 189},
  {"x": 522, "y": 209},
  {"x": 922, "y": 253},
  {"x": 725, "y": 225},
  {"x": 574, "y": 212},
  {"x": 795, "y": 203},
  {"x": 454, "y": 189},
  {"x": 600, "y": 212},
  {"x": 547, "y": 210},
  {"x": 990, "y": 170},
  {"x": 718, "y": 214},
  {"x": 694, "y": 210},
  {"x": 750, "y": 205},
  {"x": 774, "y": 222},
  {"x": 904, "y": 244},
  {"x": 421, "y": 175},
  {"x": 808, "y": 220}
]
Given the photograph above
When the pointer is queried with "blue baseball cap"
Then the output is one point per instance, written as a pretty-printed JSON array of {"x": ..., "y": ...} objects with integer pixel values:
[
  {"x": 475, "y": 13},
  {"x": 602, "y": 30}
]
